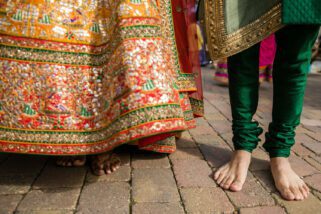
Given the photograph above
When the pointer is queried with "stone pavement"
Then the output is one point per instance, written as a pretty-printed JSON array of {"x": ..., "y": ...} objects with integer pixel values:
[{"x": 178, "y": 183}]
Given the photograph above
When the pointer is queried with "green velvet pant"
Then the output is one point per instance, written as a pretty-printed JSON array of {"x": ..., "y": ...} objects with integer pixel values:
[{"x": 291, "y": 65}]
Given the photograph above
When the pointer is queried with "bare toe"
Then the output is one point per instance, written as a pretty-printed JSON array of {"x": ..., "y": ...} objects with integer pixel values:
[
  {"x": 228, "y": 182},
  {"x": 287, "y": 194},
  {"x": 303, "y": 192},
  {"x": 237, "y": 185},
  {"x": 218, "y": 173},
  {"x": 297, "y": 193}
]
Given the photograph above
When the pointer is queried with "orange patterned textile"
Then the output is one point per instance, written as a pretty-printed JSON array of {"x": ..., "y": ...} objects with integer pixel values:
[{"x": 82, "y": 77}]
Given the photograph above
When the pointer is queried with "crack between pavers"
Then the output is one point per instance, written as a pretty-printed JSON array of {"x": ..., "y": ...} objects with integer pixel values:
[
  {"x": 31, "y": 186},
  {"x": 81, "y": 190},
  {"x": 179, "y": 189}
]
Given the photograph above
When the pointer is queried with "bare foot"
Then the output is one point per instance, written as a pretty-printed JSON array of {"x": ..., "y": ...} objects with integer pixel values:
[
  {"x": 233, "y": 174},
  {"x": 71, "y": 161},
  {"x": 105, "y": 163},
  {"x": 289, "y": 184}
]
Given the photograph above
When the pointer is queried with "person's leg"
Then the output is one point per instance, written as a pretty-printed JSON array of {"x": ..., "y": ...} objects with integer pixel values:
[
  {"x": 294, "y": 45},
  {"x": 243, "y": 71}
]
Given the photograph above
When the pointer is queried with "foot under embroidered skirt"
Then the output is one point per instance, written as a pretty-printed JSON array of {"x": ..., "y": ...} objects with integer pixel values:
[{"x": 82, "y": 77}]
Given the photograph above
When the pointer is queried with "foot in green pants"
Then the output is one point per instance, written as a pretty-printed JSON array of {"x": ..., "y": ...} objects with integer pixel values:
[{"x": 294, "y": 45}]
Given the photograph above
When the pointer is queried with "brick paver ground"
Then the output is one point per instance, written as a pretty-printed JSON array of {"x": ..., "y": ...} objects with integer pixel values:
[{"x": 178, "y": 183}]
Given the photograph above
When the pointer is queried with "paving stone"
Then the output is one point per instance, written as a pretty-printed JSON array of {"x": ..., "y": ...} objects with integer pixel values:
[
  {"x": 310, "y": 122},
  {"x": 105, "y": 197},
  {"x": 206, "y": 200},
  {"x": 15, "y": 184},
  {"x": 252, "y": 194},
  {"x": 154, "y": 185},
  {"x": 202, "y": 129},
  {"x": 266, "y": 179},
  {"x": 216, "y": 155},
  {"x": 221, "y": 127},
  {"x": 228, "y": 138},
  {"x": 313, "y": 129},
  {"x": 313, "y": 146},
  {"x": 263, "y": 210},
  {"x": 124, "y": 158},
  {"x": 55, "y": 200},
  {"x": 225, "y": 109},
  {"x": 122, "y": 174},
  {"x": 315, "y": 135},
  {"x": 260, "y": 160},
  {"x": 312, "y": 161},
  {"x": 301, "y": 150},
  {"x": 54, "y": 177},
  {"x": 211, "y": 139},
  {"x": 301, "y": 167},
  {"x": 309, "y": 205},
  {"x": 186, "y": 153},
  {"x": 150, "y": 160},
  {"x": 303, "y": 138},
  {"x": 185, "y": 141},
  {"x": 31, "y": 165},
  {"x": 193, "y": 173},
  {"x": 314, "y": 181},
  {"x": 317, "y": 158},
  {"x": 317, "y": 194},
  {"x": 215, "y": 116},
  {"x": 157, "y": 208},
  {"x": 8, "y": 203},
  {"x": 266, "y": 116},
  {"x": 301, "y": 129},
  {"x": 45, "y": 212}
]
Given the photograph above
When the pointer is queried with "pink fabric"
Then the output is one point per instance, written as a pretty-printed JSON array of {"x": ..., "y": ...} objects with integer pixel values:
[{"x": 267, "y": 51}]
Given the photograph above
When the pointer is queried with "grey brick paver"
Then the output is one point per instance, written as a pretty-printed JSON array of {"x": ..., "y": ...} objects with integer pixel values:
[
  {"x": 206, "y": 200},
  {"x": 59, "y": 199},
  {"x": 313, "y": 162},
  {"x": 154, "y": 185},
  {"x": 313, "y": 146},
  {"x": 105, "y": 197},
  {"x": 216, "y": 154},
  {"x": 31, "y": 165},
  {"x": 55, "y": 177},
  {"x": 263, "y": 210},
  {"x": 185, "y": 141},
  {"x": 266, "y": 179},
  {"x": 310, "y": 205},
  {"x": 150, "y": 160},
  {"x": 157, "y": 208},
  {"x": 314, "y": 181},
  {"x": 193, "y": 173},
  {"x": 15, "y": 184},
  {"x": 186, "y": 153},
  {"x": 252, "y": 194},
  {"x": 8, "y": 203},
  {"x": 260, "y": 160},
  {"x": 301, "y": 167}
]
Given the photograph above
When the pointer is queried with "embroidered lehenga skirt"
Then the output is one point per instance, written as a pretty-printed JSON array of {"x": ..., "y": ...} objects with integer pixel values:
[{"x": 82, "y": 77}]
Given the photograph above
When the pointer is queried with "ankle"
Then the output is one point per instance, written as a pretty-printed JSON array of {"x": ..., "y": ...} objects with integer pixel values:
[{"x": 280, "y": 162}]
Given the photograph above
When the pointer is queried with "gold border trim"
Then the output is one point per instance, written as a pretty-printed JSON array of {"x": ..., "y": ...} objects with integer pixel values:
[{"x": 222, "y": 45}]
